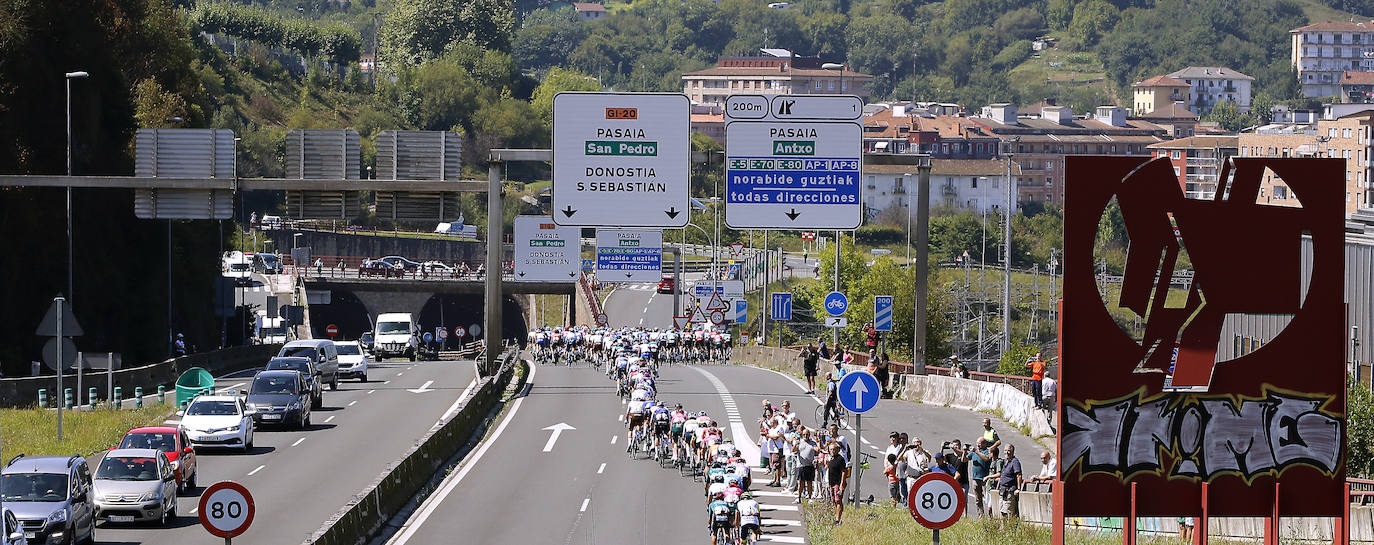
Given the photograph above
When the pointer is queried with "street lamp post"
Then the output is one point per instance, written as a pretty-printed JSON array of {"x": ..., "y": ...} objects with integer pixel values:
[
  {"x": 70, "y": 244},
  {"x": 836, "y": 66},
  {"x": 1006, "y": 261}
]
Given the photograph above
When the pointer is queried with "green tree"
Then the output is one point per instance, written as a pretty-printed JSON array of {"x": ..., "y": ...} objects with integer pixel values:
[
  {"x": 1013, "y": 361},
  {"x": 1228, "y": 115},
  {"x": 557, "y": 81},
  {"x": 154, "y": 106},
  {"x": 1020, "y": 24},
  {"x": 445, "y": 96},
  {"x": 1091, "y": 20},
  {"x": 1360, "y": 435},
  {"x": 418, "y": 30},
  {"x": 1059, "y": 14}
]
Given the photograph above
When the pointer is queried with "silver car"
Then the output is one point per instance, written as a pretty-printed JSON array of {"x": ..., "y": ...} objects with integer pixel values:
[{"x": 135, "y": 485}]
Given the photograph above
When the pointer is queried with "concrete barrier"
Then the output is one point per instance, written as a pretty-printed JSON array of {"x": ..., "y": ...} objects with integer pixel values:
[
  {"x": 364, "y": 516},
  {"x": 23, "y": 392},
  {"x": 1036, "y": 508}
]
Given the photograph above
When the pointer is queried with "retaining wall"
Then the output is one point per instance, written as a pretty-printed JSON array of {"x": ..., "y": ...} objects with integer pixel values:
[
  {"x": 364, "y": 516},
  {"x": 1036, "y": 507},
  {"x": 23, "y": 391}
]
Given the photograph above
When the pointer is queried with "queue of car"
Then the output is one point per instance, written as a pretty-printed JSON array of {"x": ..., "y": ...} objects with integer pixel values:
[{"x": 58, "y": 500}]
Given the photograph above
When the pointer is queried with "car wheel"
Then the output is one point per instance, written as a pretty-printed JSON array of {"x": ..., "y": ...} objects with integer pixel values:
[
  {"x": 316, "y": 402},
  {"x": 305, "y": 423},
  {"x": 191, "y": 482},
  {"x": 171, "y": 514},
  {"x": 248, "y": 443},
  {"x": 90, "y": 537},
  {"x": 334, "y": 383}
]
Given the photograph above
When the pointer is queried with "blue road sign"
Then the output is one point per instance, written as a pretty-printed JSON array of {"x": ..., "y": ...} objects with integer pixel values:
[
  {"x": 882, "y": 312},
  {"x": 588, "y": 265},
  {"x": 782, "y": 306},
  {"x": 836, "y": 303},
  {"x": 859, "y": 391},
  {"x": 429, "y": 337},
  {"x": 741, "y": 311}
]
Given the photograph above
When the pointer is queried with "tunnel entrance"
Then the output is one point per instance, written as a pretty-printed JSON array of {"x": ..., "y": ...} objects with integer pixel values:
[
  {"x": 344, "y": 310},
  {"x": 455, "y": 310}
]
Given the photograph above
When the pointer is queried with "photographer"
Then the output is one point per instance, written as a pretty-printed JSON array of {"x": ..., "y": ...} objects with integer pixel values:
[{"x": 918, "y": 461}]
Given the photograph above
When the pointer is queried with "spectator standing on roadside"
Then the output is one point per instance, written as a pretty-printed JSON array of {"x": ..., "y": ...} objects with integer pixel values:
[
  {"x": 823, "y": 350},
  {"x": 902, "y": 470},
  {"x": 980, "y": 467},
  {"x": 882, "y": 374},
  {"x": 989, "y": 434},
  {"x": 870, "y": 337},
  {"x": 1009, "y": 484},
  {"x": 832, "y": 399},
  {"x": 1037, "y": 367},
  {"x": 1048, "y": 387},
  {"x": 960, "y": 369},
  {"x": 809, "y": 355},
  {"x": 1049, "y": 468},
  {"x": 806, "y": 466},
  {"x": 960, "y": 462},
  {"x": 894, "y": 485},
  {"x": 838, "y": 479},
  {"x": 918, "y": 461}
]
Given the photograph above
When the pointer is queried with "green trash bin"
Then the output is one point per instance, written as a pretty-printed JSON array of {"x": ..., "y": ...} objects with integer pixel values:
[{"x": 192, "y": 383}]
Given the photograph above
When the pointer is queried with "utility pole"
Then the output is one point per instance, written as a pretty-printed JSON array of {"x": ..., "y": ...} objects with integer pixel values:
[
  {"x": 918, "y": 346},
  {"x": 1006, "y": 261},
  {"x": 835, "y": 331}
]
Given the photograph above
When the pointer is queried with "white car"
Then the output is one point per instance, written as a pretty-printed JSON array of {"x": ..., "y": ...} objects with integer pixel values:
[
  {"x": 352, "y": 360},
  {"x": 218, "y": 421}
]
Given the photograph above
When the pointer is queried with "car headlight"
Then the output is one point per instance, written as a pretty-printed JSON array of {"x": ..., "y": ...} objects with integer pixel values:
[
  {"x": 58, "y": 516},
  {"x": 294, "y": 406},
  {"x": 147, "y": 496},
  {"x": 176, "y": 464}
]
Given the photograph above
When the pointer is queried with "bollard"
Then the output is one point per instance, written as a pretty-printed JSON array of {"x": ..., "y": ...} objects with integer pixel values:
[
  {"x": 117, "y": 398},
  {"x": 90, "y": 396},
  {"x": 43, "y": 397},
  {"x": 161, "y": 395},
  {"x": 67, "y": 398},
  {"x": 138, "y": 397}
]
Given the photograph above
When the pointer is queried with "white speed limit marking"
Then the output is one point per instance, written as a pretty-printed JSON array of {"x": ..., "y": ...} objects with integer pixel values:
[{"x": 936, "y": 501}]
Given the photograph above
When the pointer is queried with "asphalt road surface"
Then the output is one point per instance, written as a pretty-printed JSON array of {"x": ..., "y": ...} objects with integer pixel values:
[
  {"x": 299, "y": 478},
  {"x": 524, "y": 486}
]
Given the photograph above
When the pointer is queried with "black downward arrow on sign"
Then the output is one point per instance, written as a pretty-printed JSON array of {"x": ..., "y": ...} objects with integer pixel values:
[
  {"x": 627, "y": 275},
  {"x": 569, "y": 211},
  {"x": 672, "y": 212},
  {"x": 572, "y": 274},
  {"x": 792, "y": 215},
  {"x": 522, "y": 274}
]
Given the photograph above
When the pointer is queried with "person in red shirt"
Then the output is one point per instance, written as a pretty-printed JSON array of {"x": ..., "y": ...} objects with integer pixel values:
[{"x": 1037, "y": 367}]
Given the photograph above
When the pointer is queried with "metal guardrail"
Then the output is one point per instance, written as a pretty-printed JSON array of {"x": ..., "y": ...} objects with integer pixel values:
[{"x": 343, "y": 267}]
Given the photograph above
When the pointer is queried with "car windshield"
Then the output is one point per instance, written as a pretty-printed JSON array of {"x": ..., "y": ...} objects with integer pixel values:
[
  {"x": 34, "y": 487},
  {"x": 348, "y": 350},
  {"x": 213, "y": 408},
  {"x": 289, "y": 365},
  {"x": 393, "y": 328},
  {"x": 165, "y": 442},
  {"x": 279, "y": 330},
  {"x": 281, "y": 384},
  {"x": 127, "y": 469},
  {"x": 298, "y": 351},
  {"x": 238, "y": 266},
  {"x": 269, "y": 259}
]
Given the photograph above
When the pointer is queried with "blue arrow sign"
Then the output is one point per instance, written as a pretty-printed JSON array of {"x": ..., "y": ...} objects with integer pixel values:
[
  {"x": 741, "y": 311},
  {"x": 782, "y": 306},
  {"x": 429, "y": 337},
  {"x": 859, "y": 391},
  {"x": 836, "y": 303},
  {"x": 882, "y": 312}
]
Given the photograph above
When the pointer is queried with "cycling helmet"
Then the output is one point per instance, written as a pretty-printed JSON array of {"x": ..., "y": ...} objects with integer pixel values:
[
  {"x": 748, "y": 495},
  {"x": 678, "y": 406}
]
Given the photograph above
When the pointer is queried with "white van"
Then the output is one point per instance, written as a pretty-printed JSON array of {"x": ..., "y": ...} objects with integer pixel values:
[{"x": 396, "y": 334}]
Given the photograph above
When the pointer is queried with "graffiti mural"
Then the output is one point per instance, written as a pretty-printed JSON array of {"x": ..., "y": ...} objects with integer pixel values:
[{"x": 1153, "y": 407}]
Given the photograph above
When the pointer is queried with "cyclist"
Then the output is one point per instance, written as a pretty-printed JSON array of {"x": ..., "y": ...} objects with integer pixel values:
[
  {"x": 748, "y": 509},
  {"x": 662, "y": 424},
  {"x": 678, "y": 422},
  {"x": 635, "y": 416},
  {"x": 720, "y": 516}
]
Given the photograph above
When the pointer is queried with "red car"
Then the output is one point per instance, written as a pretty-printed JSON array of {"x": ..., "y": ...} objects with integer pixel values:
[
  {"x": 172, "y": 441},
  {"x": 666, "y": 285}
]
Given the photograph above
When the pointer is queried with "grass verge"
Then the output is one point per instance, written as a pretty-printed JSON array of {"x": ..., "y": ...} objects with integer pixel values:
[
  {"x": 885, "y": 525},
  {"x": 34, "y": 431}
]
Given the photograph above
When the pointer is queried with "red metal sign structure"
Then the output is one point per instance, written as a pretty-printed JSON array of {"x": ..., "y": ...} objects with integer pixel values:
[{"x": 1150, "y": 422}]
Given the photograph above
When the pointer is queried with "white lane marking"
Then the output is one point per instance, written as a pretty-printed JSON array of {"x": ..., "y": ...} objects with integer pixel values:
[
  {"x": 371, "y": 391},
  {"x": 194, "y": 509},
  {"x": 780, "y": 522},
  {"x": 613, "y": 438},
  {"x": 234, "y": 386},
  {"x": 400, "y": 373},
  {"x": 585, "y": 501},
  {"x": 386, "y": 382},
  {"x": 620, "y": 418},
  {"x": 431, "y": 503},
  {"x": 351, "y": 403},
  {"x": 602, "y": 468},
  {"x": 298, "y": 441},
  {"x": 326, "y": 421},
  {"x": 746, "y": 446},
  {"x": 772, "y": 493},
  {"x": 767, "y": 507},
  {"x": 250, "y": 473},
  {"x": 783, "y": 539}
]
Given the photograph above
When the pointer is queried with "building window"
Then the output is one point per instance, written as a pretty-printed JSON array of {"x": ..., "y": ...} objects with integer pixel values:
[
  {"x": 974, "y": 183},
  {"x": 1176, "y": 154},
  {"x": 1345, "y": 133}
]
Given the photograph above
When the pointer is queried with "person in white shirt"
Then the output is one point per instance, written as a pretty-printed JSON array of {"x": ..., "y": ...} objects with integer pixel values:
[
  {"x": 917, "y": 460},
  {"x": 749, "y": 516},
  {"x": 1049, "y": 470},
  {"x": 1047, "y": 390},
  {"x": 786, "y": 413}
]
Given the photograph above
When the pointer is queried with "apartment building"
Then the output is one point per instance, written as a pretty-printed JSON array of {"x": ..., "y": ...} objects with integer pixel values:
[
  {"x": 976, "y": 185},
  {"x": 1157, "y": 93},
  {"x": 903, "y": 129},
  {"x": 1209, "y": 85},
  {"x": 773, "y": 72},
  {"x": 1039, "y": 145},
  {"x": 1322, "y": 52},
  {"x": 1348, "y": 138},
  {"x": 1198, "y": 161}
]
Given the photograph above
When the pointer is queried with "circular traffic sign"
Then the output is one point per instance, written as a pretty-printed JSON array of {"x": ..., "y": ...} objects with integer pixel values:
[
  {"x": 936, "y": 501},
  {"x": 226, "y": 509},
  {"x": 459, "y": 332},
  {"x": 476, "y": 329},
  {"x": 443, "y": 333},
  {"x": 858, "y": 391},
  {"x": 429, "y": 337},
  {"x": 331, "y": 330},
  {"x": 717, "y": 317},
  {"x": 836, "y": 303},
  {"x": 601, "y": 319}
]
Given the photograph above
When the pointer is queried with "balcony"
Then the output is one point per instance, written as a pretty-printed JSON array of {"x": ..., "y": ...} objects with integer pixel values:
[{"x": 949, "y": 190}]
